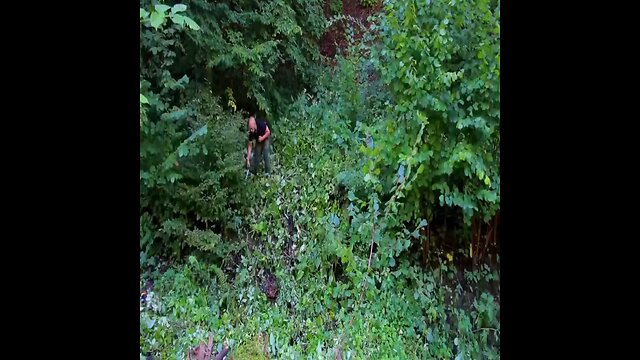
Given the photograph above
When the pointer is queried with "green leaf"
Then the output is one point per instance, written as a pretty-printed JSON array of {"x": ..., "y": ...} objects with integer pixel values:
[
  {"x": 191, "y": 24},
  {"x": 487, "y": 181},
  {"x": 178, "y": 8},
  {"x": 178, "y": 19},
  {"x": 143, "y": 99},
  {"x": 429, "y": 335},
  {"x": 423, "y": 222},
  {"x": 161, "y": 8},
  {"x": 183, "y": 81},
  {"x": 202, "y": 131},
  {"x": 156, "y": 19},
  {"x": 183, "y": 151},
  {"x": 392, "y": 261},
  {"x": 173, "y": 177},
  {"x": 489, "y": 196},
  {"x": 401, "y": 173},
  {"x": 175, "y": 115},
  {"x": 143, "y": 13}
]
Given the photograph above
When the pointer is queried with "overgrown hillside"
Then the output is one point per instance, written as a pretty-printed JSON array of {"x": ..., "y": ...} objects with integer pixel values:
[{"x": 376, "y": 234}]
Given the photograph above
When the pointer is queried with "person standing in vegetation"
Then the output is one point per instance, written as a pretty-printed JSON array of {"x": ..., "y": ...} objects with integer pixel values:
[{"x": 259, "y": 133}]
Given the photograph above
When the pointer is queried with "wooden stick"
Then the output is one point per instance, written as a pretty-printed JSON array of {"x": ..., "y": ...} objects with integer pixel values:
[
  {"x": 223, "y": 353},
  {"x": 210, "y": 346},
  {"x": 364, "y": 282}
]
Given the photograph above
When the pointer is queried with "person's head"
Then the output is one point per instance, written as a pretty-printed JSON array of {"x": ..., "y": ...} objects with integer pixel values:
[{"x": 252, "y": 124}]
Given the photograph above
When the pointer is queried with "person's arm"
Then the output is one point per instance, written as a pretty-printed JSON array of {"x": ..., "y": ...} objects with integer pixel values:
[{"x": 265, "y": 136}]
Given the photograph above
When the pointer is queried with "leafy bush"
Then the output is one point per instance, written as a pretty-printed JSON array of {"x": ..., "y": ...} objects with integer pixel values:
[
  {"x": 266, "y": 50},
  {"x": 442, "y": 64},
  {"x": 336, "y": 7},
  {"x": 192, "y": 187},
  {"x": 191, "y": 150},
  {"x": 369, "y": 3}
]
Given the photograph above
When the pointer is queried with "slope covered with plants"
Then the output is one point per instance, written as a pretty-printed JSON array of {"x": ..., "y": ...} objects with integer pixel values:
[{"x": 376, "y": 234}]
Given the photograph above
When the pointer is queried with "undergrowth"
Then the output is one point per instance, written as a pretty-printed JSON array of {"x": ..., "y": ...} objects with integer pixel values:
[
  {"x": 362, "y": 160},
  {"x": 317, "y": 245}
]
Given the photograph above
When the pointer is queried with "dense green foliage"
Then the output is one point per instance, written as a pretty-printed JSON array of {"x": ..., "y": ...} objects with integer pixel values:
[
  {"x": 369, "y": 2},
  {"x": 266, "y": 50},
  {"x": 335, "y": 7},
  {"x": 189, "y": 175},
  {"x": 441, "y": 61},
  {"x": 365, "y": 154}
]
